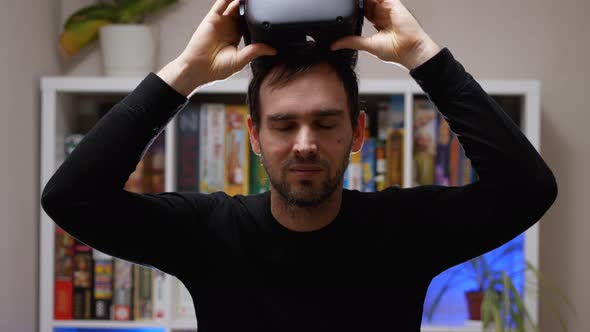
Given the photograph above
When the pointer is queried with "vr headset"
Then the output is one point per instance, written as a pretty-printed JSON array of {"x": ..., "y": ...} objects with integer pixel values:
[{"x": 285, "y": 24}]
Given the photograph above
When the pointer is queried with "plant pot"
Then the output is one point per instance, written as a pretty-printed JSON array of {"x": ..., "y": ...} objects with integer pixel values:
[
  {"x": 474, "y": 300},
  {"x": 128, "y": 49}
]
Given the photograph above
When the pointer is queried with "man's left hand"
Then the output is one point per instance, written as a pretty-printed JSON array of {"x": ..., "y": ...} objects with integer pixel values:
[{"x": 399, "y": 37}]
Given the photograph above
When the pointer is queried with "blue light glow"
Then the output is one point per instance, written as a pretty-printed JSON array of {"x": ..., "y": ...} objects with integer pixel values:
[{"x": 452, "y": 310}]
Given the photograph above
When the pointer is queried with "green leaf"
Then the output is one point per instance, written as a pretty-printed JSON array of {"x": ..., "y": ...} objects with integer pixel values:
[
  {"x": 134, "y": 11},
  {"x": 104, "y": 12},
  {"x": 80, "y": 34},
  {"x": 506, "y": 283}
]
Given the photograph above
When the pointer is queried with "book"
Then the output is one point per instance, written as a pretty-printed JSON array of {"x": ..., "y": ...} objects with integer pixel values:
[
  {"x": 455, "y": 162},
  {"x": 353, "y": 174},
  {"x": 368, "y": 157},
  {"x": 237, "y": 150},
  {"x": 187, "y": 147},
  {"x": 123, "y": 290},
  {"x": 102, "y": 300},
  {"x": 212, "y": 148},
  {"x": 82, "y": 281},
  {"x": 424, "y": 137},
  {"x": 442, "y": 155},
  {"x": 158, "y": 294},
  {"x": 380, "y": 165},
  {"x": 390, "y": 115},
  {"x": 383, "y": 119},
  {"x": 142, "y": 292},
  {"x": 63, "y": 275},
  {"x": 389, "y": 145},
  {"x": 259, "y": 181},
  {"x": 394, "y": 157}
]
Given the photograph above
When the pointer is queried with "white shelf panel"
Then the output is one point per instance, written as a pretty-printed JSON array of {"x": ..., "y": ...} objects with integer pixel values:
[
  {"x": 189, "y": 324},
  {"x": 449, "y": 329},
  {"x": 107, "y": 323},
  {"x": 184, "y": 324},
  {"x": 88, "y": 84},
  {"x": 99, "y": 84}
]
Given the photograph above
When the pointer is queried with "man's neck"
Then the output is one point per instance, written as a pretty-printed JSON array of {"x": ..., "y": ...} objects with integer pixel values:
[{"x": 305, "y": 219}]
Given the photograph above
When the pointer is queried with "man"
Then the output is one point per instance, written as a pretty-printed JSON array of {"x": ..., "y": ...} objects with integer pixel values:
[{"x": 308, "y": 255}]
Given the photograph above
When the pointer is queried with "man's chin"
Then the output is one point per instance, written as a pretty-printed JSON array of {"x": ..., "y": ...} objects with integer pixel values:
[
  {"x": 307, "y": 197},
  {"x": 305, "y": 202}
]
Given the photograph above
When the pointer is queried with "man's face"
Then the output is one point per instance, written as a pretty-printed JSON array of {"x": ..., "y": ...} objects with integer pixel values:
[{"x": 305, "y": 135}]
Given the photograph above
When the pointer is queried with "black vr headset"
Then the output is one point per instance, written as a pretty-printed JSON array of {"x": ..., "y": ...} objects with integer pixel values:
[{"x": 285, "y": 24}]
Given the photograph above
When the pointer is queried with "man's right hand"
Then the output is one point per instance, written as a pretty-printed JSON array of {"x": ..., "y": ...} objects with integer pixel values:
[{"x": 212, "y": 53}]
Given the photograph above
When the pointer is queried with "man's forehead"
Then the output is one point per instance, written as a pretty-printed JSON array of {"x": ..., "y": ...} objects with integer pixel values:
[
  {"x": 316, "y": 89},
  {"x": 275, "y": 78}
]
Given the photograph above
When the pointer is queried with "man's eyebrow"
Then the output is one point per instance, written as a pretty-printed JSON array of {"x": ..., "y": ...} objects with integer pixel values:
[
  {"x": 318, "y": 113},
  {"x": 329, "y": 112},
  {"x": 281, "y": 116}
]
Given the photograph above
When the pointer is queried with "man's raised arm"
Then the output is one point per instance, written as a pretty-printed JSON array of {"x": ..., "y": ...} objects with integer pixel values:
[{"x": 86, "y": 194}]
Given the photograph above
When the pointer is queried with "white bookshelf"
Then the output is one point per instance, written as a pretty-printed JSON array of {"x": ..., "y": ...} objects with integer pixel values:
[{"x": 59, "y": 95}]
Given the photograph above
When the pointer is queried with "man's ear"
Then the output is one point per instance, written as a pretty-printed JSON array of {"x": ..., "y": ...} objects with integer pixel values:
[
  {"x": 358, "y": 133},
  {"x": 254, "y": 142}
]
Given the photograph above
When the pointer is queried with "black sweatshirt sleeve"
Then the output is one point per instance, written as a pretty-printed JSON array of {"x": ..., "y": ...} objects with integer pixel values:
[
  {"x": 515, "y": 186},
  {"x": 85, "y": 196}
]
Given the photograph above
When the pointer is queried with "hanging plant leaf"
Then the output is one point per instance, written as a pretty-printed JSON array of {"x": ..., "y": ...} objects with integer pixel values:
[
  {"x": 95, "y": 12},
  {"x": 80, "y": 34}
]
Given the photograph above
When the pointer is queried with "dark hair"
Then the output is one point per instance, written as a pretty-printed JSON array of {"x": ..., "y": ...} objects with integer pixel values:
[{"x": 295, "y": 61}]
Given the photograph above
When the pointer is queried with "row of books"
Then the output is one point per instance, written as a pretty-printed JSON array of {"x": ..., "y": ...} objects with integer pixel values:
[
  {"x": 93, "y": 285},
  {"x": 213, "y": 149},
  {"x": 438, "y": 157},
  {"x": 89, "y": 284},
  {"x": 214, "y": 152}
]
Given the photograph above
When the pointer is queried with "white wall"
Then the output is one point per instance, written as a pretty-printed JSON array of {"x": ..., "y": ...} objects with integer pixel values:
[
  {"x": 502, "y": 39},
  {"x": 26, "y": 52}
]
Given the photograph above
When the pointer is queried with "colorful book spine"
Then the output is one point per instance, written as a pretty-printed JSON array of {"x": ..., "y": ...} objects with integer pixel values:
[
  {"x": 424, "y": 141},
  {"x": 103, "y": 285},
  {"x": 82, "y": 281},
  {"x": 455, "y": 162},
  {"x": 354, "y": 172},
  {"x": 64, "y": 287},
  {"x": 142, "y": 292},
  {"x": 368, "y": 156},
  {"x": 380, "y": 165},
  {"x": 259, "y": 182},
  {"x": 397, "y": 112},
  {"x": 394, "y": 155},
  {"x": 237, "y": 150}
]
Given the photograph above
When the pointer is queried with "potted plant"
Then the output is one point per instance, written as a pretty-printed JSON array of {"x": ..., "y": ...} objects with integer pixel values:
[
  {"x": 128, "y": 45},
  {"x": 496, "y": 301}
]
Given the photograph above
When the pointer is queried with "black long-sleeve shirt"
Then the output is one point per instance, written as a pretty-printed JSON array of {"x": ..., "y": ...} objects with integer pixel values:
[{"x": 368, "y": 270}]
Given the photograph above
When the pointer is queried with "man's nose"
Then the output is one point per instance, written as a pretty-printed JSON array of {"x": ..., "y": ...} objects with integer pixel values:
[{"x": 305, "y": 143}]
